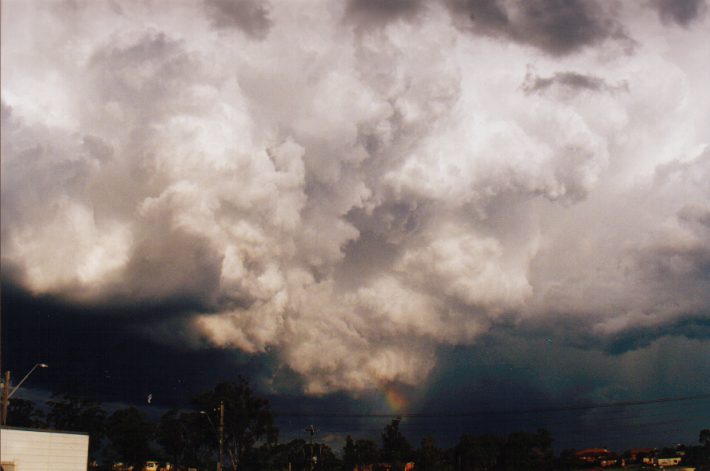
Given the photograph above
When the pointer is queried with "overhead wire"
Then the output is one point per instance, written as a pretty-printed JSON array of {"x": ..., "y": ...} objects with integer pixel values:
[{"x": 475, "y": 413}]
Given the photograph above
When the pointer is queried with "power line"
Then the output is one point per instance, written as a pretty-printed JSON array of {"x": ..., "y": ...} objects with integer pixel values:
[{"x": 496, "y": 411}]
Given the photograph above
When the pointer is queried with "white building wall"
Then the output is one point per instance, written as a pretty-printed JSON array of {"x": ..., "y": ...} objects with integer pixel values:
[{"x": 34, "y": 450}]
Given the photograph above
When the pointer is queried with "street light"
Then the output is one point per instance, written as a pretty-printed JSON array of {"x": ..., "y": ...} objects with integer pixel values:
[
  {"x": 221, "y": 431},
  {"x": 7, "y": 394}
]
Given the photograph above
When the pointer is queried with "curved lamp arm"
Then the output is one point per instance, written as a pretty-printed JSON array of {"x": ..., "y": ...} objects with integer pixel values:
[{"x": 37, "y": 365}]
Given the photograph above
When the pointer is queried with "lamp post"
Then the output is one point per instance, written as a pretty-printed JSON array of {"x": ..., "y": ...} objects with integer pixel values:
[
  {"x": 7, "y": 393},
  {"x": 221, "y": 431},
  {"x": 311, "y": 430}
]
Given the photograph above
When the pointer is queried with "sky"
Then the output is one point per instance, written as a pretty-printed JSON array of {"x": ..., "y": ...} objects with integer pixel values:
[{"x": 365, "y": 207}]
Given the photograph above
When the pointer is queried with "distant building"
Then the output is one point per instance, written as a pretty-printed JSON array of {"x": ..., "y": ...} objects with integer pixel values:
[
  {"x": 666, "y": 461},
  {"x": 637, "y": 455},
  {"x": 384, "y": 467},
  {"x": 598, "y": 456}
]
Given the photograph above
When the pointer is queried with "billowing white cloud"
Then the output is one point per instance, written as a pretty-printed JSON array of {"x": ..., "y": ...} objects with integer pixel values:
[{"x": 352, "y": 197}]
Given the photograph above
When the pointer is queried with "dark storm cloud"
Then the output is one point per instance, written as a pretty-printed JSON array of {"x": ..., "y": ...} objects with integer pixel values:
[
  {"x": 558, "y": 27},
  {"x": 571, "y": 80},
  {"x": 250, "y": 16},
  {"x": 697, "y": 328},
  {"x": 513, "y": 369},
  {"x": 112, "y": 352},
  {"x": 379, "y": 12},
  {"x": 681, "y": 12},
  {"x": 120, "y": 354}
]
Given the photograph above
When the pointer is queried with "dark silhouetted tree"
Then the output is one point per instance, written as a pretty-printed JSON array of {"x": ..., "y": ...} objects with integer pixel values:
[
  {"x": 130, "y": 433},
  {"x": 325, "y": 458},
  {"x": 479, "y": 453},
  {"x": 23, "y": 413},
  {"x": 568, "y": 459},
  {"x": 184, "y": 438},
  {"x": 530, "y": 451},
  {"x": 247, "y": 419},
  {"x": 395, "y": 447},
  {"x": 349, "y": 456},
  {"x": 430, "y": 457},
  {"x": 704, "y": 437},
  {"x": 293, "y": 453},
  {"x": 77, "y": 414},
  {"x": 366, "y": 452}
]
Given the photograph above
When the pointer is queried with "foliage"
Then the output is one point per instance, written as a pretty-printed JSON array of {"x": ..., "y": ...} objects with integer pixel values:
[
  {"x": 247, "y": 420},
  {"x": 296, "y": 455},
  {"x": 430, "y": 457},
  {"x": 521, "y": 450},
  {"x": 532, "y": 451},
  {"x": 23, "y": 413},
  {"x": 704, "y": 437},
  {"x": 568, "y": 459},
  {"x": 130, "y": 433},
  {"x": 395, "y": 447},
  {"x": 366, "y": 452},
  {"x": 183, "y": 437},
  {"x": 349, "y": 456},
  {"x": 293, "y": 453},
  {"x": 326, "y": 458},
  {"x": 77, "y": 414},
  {"x": 479, "y": 453}
]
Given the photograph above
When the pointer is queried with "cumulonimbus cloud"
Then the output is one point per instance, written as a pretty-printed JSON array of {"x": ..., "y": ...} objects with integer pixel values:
[{"x": 351, "y": 197}]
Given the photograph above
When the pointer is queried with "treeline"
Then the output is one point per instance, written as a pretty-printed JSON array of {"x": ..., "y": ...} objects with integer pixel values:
[
  {"x": 186, "y": 439},
  {"x": 189, "y": 439}
]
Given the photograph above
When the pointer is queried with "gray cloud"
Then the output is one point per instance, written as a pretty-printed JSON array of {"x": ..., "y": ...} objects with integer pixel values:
[
  {"x": 681, "y": 12},
  {"x": 569, "y": 80},
  {"x": 558, "y": 27},
  {"x": 250, "y": 16},
  {"x": 377, "y": 13}
]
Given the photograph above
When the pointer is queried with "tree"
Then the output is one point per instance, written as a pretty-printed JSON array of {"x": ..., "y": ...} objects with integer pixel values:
[
  {"x": 704, "y": 437},
  {"x": 531, "y": 451},
  {"x": 130, "y": 432},
  {"x": 23, "y": 413},
  {"x": 247, "y": 419},
  {"x": 326, "y": 458},
  {"x": 349, "y": 455},
  {"x": 429, "y": 456},
  {"x": 568, "y": 459},
  {"x": 479, "y": 453},
  {"x": 366, "y": 452},
  {"x": 292, "y": 454},
  {"x": 78, "y": 414},
  {"x": 395, "y": 447},
  {"x": 183, "y": 437}
]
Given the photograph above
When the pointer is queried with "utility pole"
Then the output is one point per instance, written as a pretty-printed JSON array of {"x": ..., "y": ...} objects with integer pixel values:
[
  {"x": 311, "y": 430},
  {"x": 7, "y": 394},
  {"x": 5, "y": 397},
  {"x": 221, "y": 434}
]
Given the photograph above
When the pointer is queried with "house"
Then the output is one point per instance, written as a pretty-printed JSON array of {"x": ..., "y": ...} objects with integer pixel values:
[
  {"x": 384, "y": 467},
  {"x": 641, "y": 455},
  {"x": 598, "y": 456},
  {"x": 666, "y": 461}
]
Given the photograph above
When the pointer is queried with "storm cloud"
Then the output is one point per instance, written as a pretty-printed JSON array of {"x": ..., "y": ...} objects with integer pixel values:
[
  {"x": 557, "y": 27},
  {"x": 350, "y": 200},
  {"x": 681, "y": 12}
]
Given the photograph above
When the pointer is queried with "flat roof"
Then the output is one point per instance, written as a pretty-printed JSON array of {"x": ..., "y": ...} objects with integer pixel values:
[{"x": 42, "y": 430}]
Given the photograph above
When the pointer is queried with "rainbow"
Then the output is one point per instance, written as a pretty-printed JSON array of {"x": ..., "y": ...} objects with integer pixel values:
[{"x": 395, "y": 399}]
